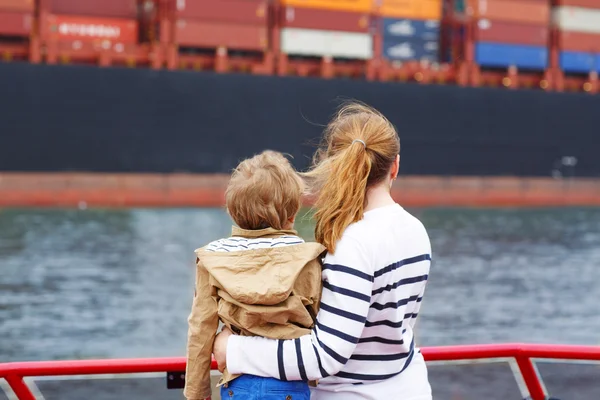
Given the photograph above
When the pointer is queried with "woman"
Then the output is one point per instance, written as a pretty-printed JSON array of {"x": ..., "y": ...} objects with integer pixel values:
[{"x": 374, "y": 276}]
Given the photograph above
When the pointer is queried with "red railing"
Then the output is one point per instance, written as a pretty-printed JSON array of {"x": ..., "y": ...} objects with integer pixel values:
[{"x": 522, "y": 353}]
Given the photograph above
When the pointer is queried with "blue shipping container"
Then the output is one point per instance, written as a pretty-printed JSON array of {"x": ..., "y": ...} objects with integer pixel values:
[
  {"x": 410, "y": 28},
  {"x": 411, "y": 49},
  {"x": 499, "y": 55},
  {"x": 573, "y": 61}
]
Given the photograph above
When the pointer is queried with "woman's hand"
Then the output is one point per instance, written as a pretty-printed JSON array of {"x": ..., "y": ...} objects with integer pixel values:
[{"x": 220, "y": 348}]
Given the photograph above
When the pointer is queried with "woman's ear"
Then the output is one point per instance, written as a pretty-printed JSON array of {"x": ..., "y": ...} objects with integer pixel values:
[{"x": 395, "y": 167}]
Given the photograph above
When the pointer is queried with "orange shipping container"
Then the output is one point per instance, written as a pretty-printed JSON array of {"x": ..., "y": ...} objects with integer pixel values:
[
  {"x": 17, "y": 5},
  {"x": 533, "y": 12},
  {"x": 412, "y": 9},
  {"x": 340, "y": 5},
  {"x": 69, "y": 27}
]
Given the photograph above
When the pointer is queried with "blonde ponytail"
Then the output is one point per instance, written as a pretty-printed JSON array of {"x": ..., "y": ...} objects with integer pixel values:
[{"x": 358, "y": 150}]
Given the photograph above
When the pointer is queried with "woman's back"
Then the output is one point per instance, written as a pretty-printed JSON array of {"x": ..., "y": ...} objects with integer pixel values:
[
  {"x": 374, "y": 275},
  {"x": 391, "y": 248}
]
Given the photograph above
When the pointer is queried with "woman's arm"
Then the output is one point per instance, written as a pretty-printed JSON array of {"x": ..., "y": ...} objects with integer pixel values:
[
  {"x": 203, "y": 324},
  {"x": 347, "y": 287}
]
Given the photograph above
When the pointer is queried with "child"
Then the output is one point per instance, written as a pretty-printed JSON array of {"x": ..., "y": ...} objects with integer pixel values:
[{"x": 262, "y": 281}]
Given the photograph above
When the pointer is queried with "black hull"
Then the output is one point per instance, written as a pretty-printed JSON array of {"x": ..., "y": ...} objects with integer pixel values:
[{"x": 73, "y": 118}]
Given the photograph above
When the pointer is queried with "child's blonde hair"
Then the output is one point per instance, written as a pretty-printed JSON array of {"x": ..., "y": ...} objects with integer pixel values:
[{"x": 264, "y": 191}]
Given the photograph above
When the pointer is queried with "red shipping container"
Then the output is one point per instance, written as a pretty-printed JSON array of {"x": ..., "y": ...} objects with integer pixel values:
[
  {"x": 240, "y": 11},
  {"x": 17, "y": 5},
  {"x": 192, "y": 33},
  {"x": 528, "y": 12},
  {"x": 509, "y": 32},
  {"x": 578, "y": 3},
  {"x": 311, "y": 18},
  {"x": 15, "y": 24},
  {"x": 118, "y": 49},
  {"x": 69, "y": 27},
  {"x": 94, "y": 8},
  {"x": 579, "y": 41}
]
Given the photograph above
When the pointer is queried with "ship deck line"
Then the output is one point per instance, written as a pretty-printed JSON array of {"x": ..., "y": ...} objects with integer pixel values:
[{"x": 124, "y": 190}]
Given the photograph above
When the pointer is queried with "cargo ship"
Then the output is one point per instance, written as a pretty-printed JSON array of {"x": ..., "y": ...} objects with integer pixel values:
[{"x": 113, "y": 102}]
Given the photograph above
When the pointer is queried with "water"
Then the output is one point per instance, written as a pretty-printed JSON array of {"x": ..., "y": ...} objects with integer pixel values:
[{"x": 119, "y": 283}]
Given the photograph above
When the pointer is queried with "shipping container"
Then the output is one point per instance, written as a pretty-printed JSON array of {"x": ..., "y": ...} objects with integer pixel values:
[
  {"x": 94, "y": 8},
  {"x": 576, "y": 62},
  {"x": 107, "y": 30},
  {"x": 499, "y": 55},
  {"x": 413, "y": 9},
  {"x": 195, "y": 33},
  {"x": 579, "y": 42},
  {"x": 525, "y": 11},
  {"x": 17, "y": 5},
  {"x": 403, "y": 49},
  {"x": 115, "y": 49},
  {"x": 312, "y": 18},
  {"x": 513, "y": 33},
  {"x": 411, "y": 28},
  {"x": 98, "y": 53},
  {"x": 15, "y": 23},
  {"x": 240, "y": 11},
  {"x": 340, "y": 5},
  {"x": 320, "y": 43},
  {"x": 578, "y": 3},
  {"x": 577, "y": 19}
]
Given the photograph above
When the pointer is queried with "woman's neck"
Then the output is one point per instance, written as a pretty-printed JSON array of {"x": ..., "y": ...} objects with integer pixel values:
[{"x": 378, "y": 196}]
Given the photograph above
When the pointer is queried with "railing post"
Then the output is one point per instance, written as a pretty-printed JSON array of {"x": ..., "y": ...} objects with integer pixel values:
[
  {"x": 536, "y": 391},
  {"x": 19, "y": 387}
]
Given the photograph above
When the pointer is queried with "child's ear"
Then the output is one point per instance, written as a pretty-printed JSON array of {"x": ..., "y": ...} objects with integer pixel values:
[{"x": 291, "y": 221}]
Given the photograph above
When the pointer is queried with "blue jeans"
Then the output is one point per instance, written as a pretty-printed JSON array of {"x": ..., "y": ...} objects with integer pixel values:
[{"x": 250, "y": 387}]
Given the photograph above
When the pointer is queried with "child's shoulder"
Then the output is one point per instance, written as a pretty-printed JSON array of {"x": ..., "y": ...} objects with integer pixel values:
[
  {"x": 225, "y": 244},
  {"x": 237, "y": 243}
]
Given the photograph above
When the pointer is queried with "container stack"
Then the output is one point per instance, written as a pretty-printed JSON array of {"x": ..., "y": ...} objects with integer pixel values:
[
  {"x": 98, "y": 31},
  {"x": 324, "y": 37},
  {"x": 578, "y": 23},
  {"x": 17, "y": 33},
  {"x": 409, "y": 40},
  {"x": 209, "y": 33},
  {"x": 510, "y": 33},
  {"x": 410, "y": 30}
]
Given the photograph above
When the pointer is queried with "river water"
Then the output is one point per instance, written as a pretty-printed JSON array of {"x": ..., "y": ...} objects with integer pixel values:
[{"x": 118, "y": 283}]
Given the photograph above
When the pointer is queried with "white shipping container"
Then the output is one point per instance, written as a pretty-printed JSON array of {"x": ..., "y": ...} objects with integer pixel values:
[
  {"x": 312, "y": 42},
  {"x": 577, "y": 19}
]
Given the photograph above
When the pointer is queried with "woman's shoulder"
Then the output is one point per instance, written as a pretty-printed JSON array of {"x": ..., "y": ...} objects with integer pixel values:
[{"x": 378, "y": 230}]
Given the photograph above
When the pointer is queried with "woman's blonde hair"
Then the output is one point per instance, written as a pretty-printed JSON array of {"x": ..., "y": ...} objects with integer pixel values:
[
  {"x": 358, "y": 149},
  {"x": 264, "y": 191}
]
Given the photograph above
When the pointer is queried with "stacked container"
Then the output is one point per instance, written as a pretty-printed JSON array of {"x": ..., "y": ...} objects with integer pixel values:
[
  {"x": 510, "y": 33},
  {"x": 91, "y": 30},
  {"x": 578, "y": 23},
  {"x": 410, "y": 29},
  {"x": 219, "y": 26},
  {"x": 16, "y": 27},
  {"x": 325, "y": 29}
]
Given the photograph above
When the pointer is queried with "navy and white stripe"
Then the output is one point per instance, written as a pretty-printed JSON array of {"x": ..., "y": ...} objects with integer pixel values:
[
  {"x": 373, "y": 288},
  {"x": 240, "y": 243}
]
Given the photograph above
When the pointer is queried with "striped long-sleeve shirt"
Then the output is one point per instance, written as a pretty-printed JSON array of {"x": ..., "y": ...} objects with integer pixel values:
[{"x": 363, "y": 344}]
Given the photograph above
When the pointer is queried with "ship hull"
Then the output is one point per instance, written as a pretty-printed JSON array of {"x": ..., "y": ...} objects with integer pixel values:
[{"x": 74, "y": 118}]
